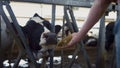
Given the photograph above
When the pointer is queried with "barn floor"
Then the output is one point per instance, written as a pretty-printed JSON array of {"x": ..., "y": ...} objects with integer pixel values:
[{"x": 79, "y": 62}]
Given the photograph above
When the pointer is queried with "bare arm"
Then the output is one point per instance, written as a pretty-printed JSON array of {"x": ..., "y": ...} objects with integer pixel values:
[
  {"x": 95, "y": 14},
  {"x": 97, "y": 10}
]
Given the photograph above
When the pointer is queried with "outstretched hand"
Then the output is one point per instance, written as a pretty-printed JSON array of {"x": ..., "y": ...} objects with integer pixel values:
[{"x": 73, "y": 41}]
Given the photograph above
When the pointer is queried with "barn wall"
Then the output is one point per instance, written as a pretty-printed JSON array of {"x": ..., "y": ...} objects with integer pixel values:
[{"x": 24, "y": 11}]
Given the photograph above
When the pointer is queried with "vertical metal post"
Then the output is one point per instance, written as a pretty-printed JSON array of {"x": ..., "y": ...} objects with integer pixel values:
[
  {"x": 62, "y": 51},
  {"x": 1, "y": 63},
  {"x": 100, "y": 62},
  {"x": 114, "y": 54},
  {"x": 118, "y": 12},
  {"x": 80, "y": 46},
  {"x": 53, "y": 18},
  {"x": 117, "y": 37},
  {"x": 0, "y": 28},
  {"x": 53, "y": 30}
]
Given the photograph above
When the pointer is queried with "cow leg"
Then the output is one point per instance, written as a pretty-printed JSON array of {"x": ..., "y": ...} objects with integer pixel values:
[
  {"x": 30, "y": 64},
  {"x": 1, "y": 60},
  {"x": 1, "y": 63},
  {"x": 43, "y": 65}
]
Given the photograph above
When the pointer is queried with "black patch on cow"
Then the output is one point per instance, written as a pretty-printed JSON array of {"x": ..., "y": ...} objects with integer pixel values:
[
  {"x": 33, "y": 32},
  {"x": 57, "y": 29},
  {"x": 47, "y": 24},
  {"x": 109, "y": 35},
  {"x": 51, "y": 38}
]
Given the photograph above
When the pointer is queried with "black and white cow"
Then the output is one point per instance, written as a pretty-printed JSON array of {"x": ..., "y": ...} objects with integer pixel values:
[
  {"x": 90, "y": 41},
  {"x": 38, "y": 33},
  {"x": 87, "y": 40},
  {"x": 109, "y": 40}
]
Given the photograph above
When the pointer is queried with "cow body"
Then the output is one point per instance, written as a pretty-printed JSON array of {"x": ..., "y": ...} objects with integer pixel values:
[
  {"x": 37, "y": 32},
  {"x": 109, "y": 40},
  {"x": 87, "y": 40},
  {"x": 6, "y": 39}
]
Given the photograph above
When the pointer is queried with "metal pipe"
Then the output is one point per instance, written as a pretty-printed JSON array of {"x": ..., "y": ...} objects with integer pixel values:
[
  {"x": 53, "y": 30},
  {"x": 100, "y": 62},
  {"x": 73, "y": 19},
  {"x": 80, "y": 46},
  {"x": 68, "y": 19},
  {"x": 20, "y": 33},
  {"x": 8, "y": 25},
  {"x": 53, "y": 17}
]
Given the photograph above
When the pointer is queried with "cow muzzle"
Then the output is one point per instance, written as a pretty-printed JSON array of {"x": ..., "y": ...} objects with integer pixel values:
[{"x": 49, "y": 38}]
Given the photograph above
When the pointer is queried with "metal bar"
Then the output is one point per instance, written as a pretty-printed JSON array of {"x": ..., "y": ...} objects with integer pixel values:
[
  {"x": 73, "y": 19},
  {"x": 117, "y": 37},
  {"x": 8, "y": 25},
  {"x": 53, "y": 30},
  {"x": 118, "y": 12},
  {"x": 20, "y": 33},
  {"x": 51, "y": 51},
  {"x": 75, "y": 30},
  {"x": 0, "y": 28},
  {"x": 100, "y": 62},
  {"x": 80, "y": 46},
  {"x": 79, "y": 3},
  {"x": 62, "y": 50},
  {"x": 53, "y": 17},
  {"x": 113, "y": 62},
  {"x": 72, "y": 30},
  {"x": 73, "y": 57},
  {"x": 18, "y": 60},
  {"x": 68, "y": 19}
]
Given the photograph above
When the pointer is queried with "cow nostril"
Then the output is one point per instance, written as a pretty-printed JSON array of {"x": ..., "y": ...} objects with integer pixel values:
[{"x": 46, "y": 36}]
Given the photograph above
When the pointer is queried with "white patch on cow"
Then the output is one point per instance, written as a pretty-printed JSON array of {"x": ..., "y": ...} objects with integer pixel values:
[
  {"x": 46, "y": 30},
  {"x": 40, "y": 54},
  {"x": 43, "y": 51},
  {"x": 37, "y": 20},
  {"x": 66, "y": 28},
  {"x": 42, "y": 40},
  {"x": 90, "y": 40},
  {"x": 45, "y": 47}
]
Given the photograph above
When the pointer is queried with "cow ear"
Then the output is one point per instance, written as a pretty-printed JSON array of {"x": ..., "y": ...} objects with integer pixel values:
[
  {"x": 57, "y": 29},
  {"x": 47, "y": 24},
  {"x": 35, "y": 15}
]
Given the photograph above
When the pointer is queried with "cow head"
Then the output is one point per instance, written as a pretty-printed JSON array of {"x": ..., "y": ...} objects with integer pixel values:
[{"x": 38, "y": 31}]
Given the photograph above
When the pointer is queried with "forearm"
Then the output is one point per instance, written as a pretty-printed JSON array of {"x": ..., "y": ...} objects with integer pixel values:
[{"x": 95, "y": 14}]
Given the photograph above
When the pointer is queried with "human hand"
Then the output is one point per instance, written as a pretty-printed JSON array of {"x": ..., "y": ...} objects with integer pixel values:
[
  {"x": 73, "y": 41},
  {"x": 65, "y": 41}
]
